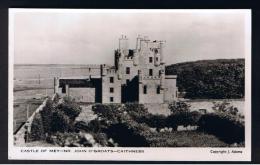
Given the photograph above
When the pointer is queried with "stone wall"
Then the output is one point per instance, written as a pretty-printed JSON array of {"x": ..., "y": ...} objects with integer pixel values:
[
  {"x": 113, "y": 96},
  {"x": 82, "y": 94},
  {"x": 133, "y": 70},
  {"x": 151, "y": 88},
  {"x": 170, "y": 89}
]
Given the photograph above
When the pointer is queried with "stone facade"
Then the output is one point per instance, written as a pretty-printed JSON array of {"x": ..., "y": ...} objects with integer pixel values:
[{"x": 137, "y": 76}]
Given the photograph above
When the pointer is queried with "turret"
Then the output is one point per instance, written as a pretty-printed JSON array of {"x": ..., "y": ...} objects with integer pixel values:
[
  {"x": 161, "y": 52},
  {"x": 162, "y": 78},
  {"x": 138, "y": 43}
]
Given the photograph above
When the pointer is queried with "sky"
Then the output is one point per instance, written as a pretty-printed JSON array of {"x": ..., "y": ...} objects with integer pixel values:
[{"x": 91, "y": 37}]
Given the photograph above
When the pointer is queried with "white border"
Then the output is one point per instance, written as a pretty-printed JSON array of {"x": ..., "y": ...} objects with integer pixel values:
[{"x": 150, "y": 154}]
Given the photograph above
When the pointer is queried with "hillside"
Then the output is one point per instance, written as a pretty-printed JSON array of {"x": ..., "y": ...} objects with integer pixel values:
[{"x": 212, "y": 79}]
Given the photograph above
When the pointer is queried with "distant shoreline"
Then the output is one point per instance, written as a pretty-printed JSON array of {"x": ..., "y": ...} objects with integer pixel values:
[{"x": 184, "y": 62}]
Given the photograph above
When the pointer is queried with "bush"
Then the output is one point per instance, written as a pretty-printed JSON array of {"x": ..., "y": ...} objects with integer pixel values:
[
  {"x": 94, "y": 126},
  {"x": 70, "y": 108},
  {"x": 185, "y": 119},
  {"x": 101, "y": 138},
  {"x": 41, "y": 123},
  {"x": 223, "y": 126},
  {"x": 61, "y": 122},
  {"x": 46, "y": 115},
  {"x": 110, "y": 112},
  {"x": 179, "y": 107},
  {"x": 155, "y": 121},
  {"x": 58, "y": 118},
  {"x": 129, "y": 134},
  {"x": 136, "y": 110},
  {"x": 119, "y": 124},
  {"x": 181, "y": 115},
  {"x": 37, "y": 129},
  {"x": 224, "y": 107}
]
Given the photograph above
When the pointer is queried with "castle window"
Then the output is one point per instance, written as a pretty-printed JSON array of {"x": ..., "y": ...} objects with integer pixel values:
[
  {"x": 157, "y": 59},
  {"x": 145, "y": 89},
  {"x": 111, "y": 99},
  {"x": 158, "y": 89},
  {"x": 111, "y": 80},
  {"x": 151, "y": 59},
  {"x": 111, "y": 90},
  {"x": 127, "y": 70},
  {"x": 150, "y": 72}
]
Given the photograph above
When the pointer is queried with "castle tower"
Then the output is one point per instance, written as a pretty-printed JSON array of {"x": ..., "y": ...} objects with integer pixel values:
[{"x": 123, "y": 45}]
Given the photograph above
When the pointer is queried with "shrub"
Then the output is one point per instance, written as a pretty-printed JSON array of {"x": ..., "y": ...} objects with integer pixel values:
[
  {"x": 94, "y": 126},
  {"x": 155, "y": 121},
  {"x": 118, "y": 123},
  {"x": 181, "y": 115},
  {"x": 46, "y": 115},
  {"x": 225, "y": 108},
  {"x": 101, "y": 138},
  {"x": 41, "y": 123},
  {"x": 128, "y": 134},
  {"x": 179, "y": 107},
  {"x": 223, "y": 126},
  {"x": 61, "y": 122},
  {"x": 62, "y": 115},
  {"x": 37, "y": 129},
  {"x": 136, "y": 110},
  {"x": 110, "y": 112},
  {"x": 70, "y": 108}
]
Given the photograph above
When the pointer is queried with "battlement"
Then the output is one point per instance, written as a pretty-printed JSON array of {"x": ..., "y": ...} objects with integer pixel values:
[
  {"x": 170, "y": 76},
  {"x": 151, "y": 77},
  {"x": 111, "y": 71}
]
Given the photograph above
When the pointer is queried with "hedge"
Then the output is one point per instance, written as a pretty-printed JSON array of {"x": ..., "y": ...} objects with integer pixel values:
[{"x": 224, "y": 127}]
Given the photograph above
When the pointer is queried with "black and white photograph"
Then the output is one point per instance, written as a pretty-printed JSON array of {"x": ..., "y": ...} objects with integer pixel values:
[{"x": 129, "y": 84}]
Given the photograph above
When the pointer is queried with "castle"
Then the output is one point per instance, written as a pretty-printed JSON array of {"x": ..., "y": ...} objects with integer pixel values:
[{"x": 138, "y": 75}]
